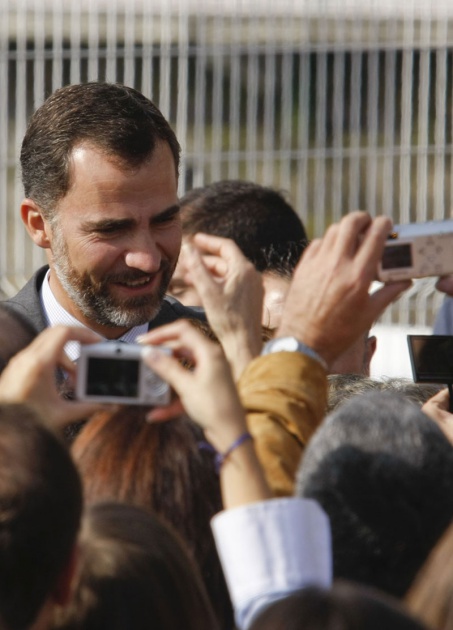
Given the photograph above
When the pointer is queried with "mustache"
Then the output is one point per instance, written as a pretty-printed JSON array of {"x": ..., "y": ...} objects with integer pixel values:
[{"x": 134, "y": 274}]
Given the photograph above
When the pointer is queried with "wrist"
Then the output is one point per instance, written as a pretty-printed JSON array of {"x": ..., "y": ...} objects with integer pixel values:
[{"x": 293, "y": 344}]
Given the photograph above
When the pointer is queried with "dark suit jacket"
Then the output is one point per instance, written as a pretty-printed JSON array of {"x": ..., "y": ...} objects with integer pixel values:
[{"x": 28, "y": 304}]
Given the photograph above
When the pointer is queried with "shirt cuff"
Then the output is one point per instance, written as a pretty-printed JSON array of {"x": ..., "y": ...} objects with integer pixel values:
[{"x": 271, "y": 549}]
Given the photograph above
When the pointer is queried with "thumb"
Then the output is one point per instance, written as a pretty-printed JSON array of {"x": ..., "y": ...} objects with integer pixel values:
[
  {"x": 165, "y": 366},
  {"x": 387, "y": 294}
]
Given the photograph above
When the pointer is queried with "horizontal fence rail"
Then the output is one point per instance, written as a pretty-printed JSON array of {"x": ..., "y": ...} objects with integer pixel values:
[{"x": 343, "y": 105}]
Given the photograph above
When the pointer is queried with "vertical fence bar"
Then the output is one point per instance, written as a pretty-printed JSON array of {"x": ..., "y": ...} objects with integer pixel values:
[
  {"x": 269, "y": 135},
  {"x": 20, "y": 244},
  {"x": 130, "y": 40},
  {"x": 219, "y": 77},
  {"x": 199, "y": 132},
  {"x": 423, "y": 125},
  {"x": 182, "y": 92},
  {"x": 440, "y": 145},
  {"x": 7, "y": 264},
  {"x": 337, "y": 122},
  {"x": 355, "y": 131},
  {"x": 372, "y": 130},
  {"x": 286, "y": 108},
  {"x": 75, "y": 51},
  {"x": 111, "y": 44},
  {"x": 57, "y": 45},
  {"x": 251, "y": 133},
  {"x": 147, "y": 51},
  {"x": 388, "y": 172},
  {"x": 320, "y": 144},
  {"x": 235, "y": 96}
]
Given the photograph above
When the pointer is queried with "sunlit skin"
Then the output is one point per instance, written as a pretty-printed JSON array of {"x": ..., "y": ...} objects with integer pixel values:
[
  {"x": 116, "y": 241},
  {"x": 275, "y": 289},
  {"x": 180, "y": 287}
]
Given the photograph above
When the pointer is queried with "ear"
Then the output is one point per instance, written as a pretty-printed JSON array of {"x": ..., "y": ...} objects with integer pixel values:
[
  {"x": 371, "y": 344},
  {"x": 35, "y": 224},
  {"x": 62, "y": 591}
]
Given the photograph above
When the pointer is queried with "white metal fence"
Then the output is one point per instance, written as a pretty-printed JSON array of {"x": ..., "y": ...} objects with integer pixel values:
[{"x": 343, "y": 103}]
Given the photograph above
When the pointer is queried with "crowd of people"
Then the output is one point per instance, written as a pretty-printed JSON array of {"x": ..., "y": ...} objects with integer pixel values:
[{"x": 281, "y": 487}]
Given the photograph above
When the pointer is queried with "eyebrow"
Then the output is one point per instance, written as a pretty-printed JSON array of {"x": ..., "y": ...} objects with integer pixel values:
[
  {"x": 118, "y": 224},
  {"x": 167, "y": 214}
]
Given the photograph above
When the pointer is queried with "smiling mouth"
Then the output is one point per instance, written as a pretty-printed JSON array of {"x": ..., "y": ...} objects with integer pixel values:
[{"x": 132, "y": 284}]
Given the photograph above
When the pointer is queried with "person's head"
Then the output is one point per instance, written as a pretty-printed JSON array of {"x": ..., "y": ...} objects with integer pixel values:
[
  {"x": 40, "y": 510},
  {"x": 16, "y": 332},
  {"x": 258, "y": 219},
  {"x": 345, "y": 606},
  {"x": 383, "y": 472},
  {"x": 342, "y": 387},
  {"x": 100, "y": 170},
  {"x": 134, "y": 573},
  {"x": 121, "y": 457}
]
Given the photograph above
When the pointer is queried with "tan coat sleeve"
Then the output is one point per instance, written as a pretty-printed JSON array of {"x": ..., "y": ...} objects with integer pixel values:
[{"x": 285, "y": 396}]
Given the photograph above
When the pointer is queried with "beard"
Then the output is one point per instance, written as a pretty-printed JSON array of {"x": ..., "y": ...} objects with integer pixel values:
[{"x": 93, "y": 297}]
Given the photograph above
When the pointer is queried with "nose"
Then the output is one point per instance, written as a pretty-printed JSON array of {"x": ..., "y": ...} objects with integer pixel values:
[{"x": 143, "y": 253}]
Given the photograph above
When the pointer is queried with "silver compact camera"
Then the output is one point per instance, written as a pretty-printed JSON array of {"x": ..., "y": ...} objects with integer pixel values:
[
  {"x": 418, "y": 250},
  {"x": 114, "y": 372}
]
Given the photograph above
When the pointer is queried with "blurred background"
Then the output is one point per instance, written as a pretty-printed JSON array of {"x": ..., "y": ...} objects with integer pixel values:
[{"x": 343, "y": 104}]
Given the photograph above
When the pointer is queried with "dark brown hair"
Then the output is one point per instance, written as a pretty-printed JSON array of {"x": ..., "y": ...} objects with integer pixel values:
[
  {"x": 118, "y": 120},
  {"x": 134, "y": 573},
  {"x": 346, "y": 606},
  {"x": 40, "y": 509},
  {"x": 121, "y": 457},
  {"x": 258, "y": 219}
]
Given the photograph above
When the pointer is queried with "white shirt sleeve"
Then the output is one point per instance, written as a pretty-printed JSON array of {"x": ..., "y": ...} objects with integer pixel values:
[{"x": 271, "y": 549}]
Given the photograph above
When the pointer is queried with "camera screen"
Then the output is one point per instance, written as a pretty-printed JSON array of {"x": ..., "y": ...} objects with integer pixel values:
[
  {"x": 432, "y": 358},
  {"x": 397, "y": 256},
  {"x": 113, "y": 377}
]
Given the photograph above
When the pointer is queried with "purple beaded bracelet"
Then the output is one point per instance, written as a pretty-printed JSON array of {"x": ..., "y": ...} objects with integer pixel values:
[{"x": 219, "y": 458}]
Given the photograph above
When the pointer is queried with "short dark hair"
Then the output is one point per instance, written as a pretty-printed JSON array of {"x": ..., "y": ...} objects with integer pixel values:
[
  {"x": 258, "y": 219},
  {"x": 383, "y": 472},
  {"x": 116, "y": 119},
  {"x": 134, "y": 573},
  {"x": 344, "y": 607},
  {"x": 40, "y": 510},
  {"x": 342, "y": 387}
]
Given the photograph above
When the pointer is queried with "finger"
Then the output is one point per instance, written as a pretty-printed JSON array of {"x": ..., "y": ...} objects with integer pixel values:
[
  {"x": 175, "y": 332},
  {"x": 216, "y": 265},
  {"x": 384, "y": 296},
  {"x": 200, "y": 270},
  {"x": 445, "y": 284},
  {"x": 71, "y": 411},
  {"x": 162, "y": 414},
  {"x": 216, "y": 245},
  {"x": 311, "y": 250},
  {"x": 350, "y": 232},
  {"x": 442, "y": 399},
  {"x": 167, "y": 367},
  {"x": 372, "y": 245}
]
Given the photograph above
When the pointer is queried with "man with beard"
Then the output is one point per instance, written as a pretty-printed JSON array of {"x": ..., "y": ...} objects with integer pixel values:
[{"x": 100, "y": 171}]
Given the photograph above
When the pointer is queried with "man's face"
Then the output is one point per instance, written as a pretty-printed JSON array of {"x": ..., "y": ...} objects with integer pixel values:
[{"x": 116, "y": 239}]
